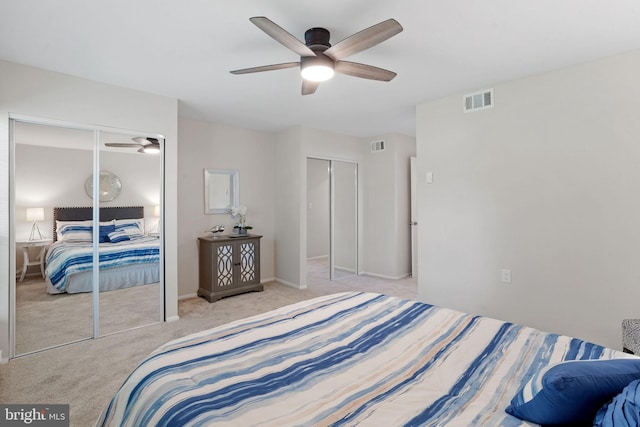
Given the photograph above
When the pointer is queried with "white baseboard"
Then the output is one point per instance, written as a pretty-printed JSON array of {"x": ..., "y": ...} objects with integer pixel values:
[
  {"x": 181, "y": 297},
  {"x": 317, "y": 257},
  {"x": 347, "y": 269},
  {"x": 383, "y": 276},
  {"x": 270, "y": 279},
  {"x": 290, "y": 284},
  {"x": 173, "y": 319}
]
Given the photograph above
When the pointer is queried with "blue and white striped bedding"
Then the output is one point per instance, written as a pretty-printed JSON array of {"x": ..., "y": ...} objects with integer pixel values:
[
  {"x": 65, "y": 259},
  {"x": 343, "y": 359}
]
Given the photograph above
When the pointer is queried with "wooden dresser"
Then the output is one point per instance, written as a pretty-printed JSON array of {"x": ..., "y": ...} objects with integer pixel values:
[{"x": 229, "y": 266}]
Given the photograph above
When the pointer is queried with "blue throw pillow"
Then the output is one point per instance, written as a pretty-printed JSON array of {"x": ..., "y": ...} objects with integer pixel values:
[
  {"x": 572, "y": 391},
  {"x": 623, "y": 410},
  {"x": 104, "y": 232}
]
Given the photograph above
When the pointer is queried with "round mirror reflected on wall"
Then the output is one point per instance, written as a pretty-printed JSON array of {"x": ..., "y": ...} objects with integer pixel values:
[{"x": 110, "y": 186}]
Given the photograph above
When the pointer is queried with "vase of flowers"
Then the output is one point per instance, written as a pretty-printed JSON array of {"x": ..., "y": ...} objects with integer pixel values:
[{"x": 240, "y": 215}]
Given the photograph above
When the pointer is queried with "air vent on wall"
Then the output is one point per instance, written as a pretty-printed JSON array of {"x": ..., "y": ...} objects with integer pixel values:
[
  {"x": 478, "y": 101},
  {"x": 377, "y": 146}
]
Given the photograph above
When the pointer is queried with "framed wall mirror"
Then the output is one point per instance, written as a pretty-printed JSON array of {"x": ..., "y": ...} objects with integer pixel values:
[{"x": 221, "y": 190}]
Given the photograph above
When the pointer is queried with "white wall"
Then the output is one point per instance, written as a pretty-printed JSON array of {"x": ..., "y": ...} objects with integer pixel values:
[
  {"x": 34, "y": 92},
  {"x": 49, "y": 177},
  {"x": 290, "y": 207},
  {"x": 387, "y": 203},
  {"x": 544, "y": 184},
  {"x": 206, "y": 145}
]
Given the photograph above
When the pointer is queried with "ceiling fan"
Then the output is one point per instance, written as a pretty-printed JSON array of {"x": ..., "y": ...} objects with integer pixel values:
[
  {"x": 146, "y": 145},
  {"x": 319, "y": 60}
]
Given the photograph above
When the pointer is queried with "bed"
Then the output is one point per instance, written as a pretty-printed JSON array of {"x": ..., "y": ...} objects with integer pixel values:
[
  {"x": 127, "y": 256},
  {"x": 349, "y": 359}
]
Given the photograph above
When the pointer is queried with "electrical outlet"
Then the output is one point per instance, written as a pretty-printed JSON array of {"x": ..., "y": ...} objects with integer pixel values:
[{"x": 505, "y": 276}]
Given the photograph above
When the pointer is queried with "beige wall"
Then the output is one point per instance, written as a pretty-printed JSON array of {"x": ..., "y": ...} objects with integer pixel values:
[
  {"x": 545, "y": 184},
  {"x": 35, "y": 92},
  {"x": 206, "y": 145},
  {"x": 387, "y": 202}
]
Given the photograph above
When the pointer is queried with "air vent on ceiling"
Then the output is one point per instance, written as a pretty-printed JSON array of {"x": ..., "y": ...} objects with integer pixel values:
[
  {"x": 478, "y": 101},
  {"x": 377, "y": 146}
]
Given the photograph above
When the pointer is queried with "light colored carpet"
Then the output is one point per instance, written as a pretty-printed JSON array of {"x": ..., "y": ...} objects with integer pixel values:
[
  {"x": 85, "y": 375},
  {"x": 318, "y": 271},
  {"x": 44, "y": 320}
]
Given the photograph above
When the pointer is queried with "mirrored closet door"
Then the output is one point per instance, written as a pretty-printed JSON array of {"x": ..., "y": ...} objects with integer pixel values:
[
  {"x": 48, "y": 161},
  {"x": 88, "y": 233},
  {"x": 332, "y": 219},
  {"x": 130, "y": 195}
]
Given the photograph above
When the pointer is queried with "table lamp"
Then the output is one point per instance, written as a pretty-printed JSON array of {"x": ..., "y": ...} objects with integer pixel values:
[{"x": 35, "y": 215}]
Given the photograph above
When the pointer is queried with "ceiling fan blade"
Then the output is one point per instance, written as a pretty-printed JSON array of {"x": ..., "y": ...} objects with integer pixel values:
[
  {"x": 266, "y": 68},
  {"x": 122, "y": 144},
  {"x": 281, "y": 35},
  {"x": 364, "y": 71},
  {"x": 364, "y": 39},
  {"x": 309, "y": 87},
  {"x": 147, "y": 140}
]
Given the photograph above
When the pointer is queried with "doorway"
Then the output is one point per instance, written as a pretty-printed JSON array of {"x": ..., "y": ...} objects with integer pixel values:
[
  {"x": 72, "y": 190},
  {"x": 332, "y": 219}
]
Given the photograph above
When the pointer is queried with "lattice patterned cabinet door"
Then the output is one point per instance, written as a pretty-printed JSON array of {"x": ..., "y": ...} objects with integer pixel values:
[
  {"x": 247, "y": 262},
  {"x": 225, "y": 265}
]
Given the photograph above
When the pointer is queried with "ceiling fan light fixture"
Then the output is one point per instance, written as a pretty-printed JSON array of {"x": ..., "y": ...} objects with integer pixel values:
[
  {"x": 316, "y": 68},
  {"x": 150, "y": 149}
]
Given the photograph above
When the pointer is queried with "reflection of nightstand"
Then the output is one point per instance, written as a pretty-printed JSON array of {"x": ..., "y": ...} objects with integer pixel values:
[
  {"x": 154, "y": 235},
  {"x": 25, "y": 245},
  {"x": 631, "y": 336}
]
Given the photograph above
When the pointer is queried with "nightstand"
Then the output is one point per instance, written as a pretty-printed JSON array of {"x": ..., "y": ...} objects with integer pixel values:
[{"x": 26, "y": 262}]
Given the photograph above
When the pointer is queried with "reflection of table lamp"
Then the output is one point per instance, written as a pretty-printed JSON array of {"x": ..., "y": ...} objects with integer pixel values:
[{"x": 35, "y": 215}]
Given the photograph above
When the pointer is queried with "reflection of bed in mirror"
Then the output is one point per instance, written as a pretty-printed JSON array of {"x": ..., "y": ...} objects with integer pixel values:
[{"x": 127, "y": 256}]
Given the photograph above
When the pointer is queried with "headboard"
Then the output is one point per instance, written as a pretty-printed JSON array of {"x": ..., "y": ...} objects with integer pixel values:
[{"x": 106, "y": 214}]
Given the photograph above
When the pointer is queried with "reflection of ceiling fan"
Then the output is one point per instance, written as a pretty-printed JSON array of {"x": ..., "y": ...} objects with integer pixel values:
[
  {"x": 144, "y": 145},
  {"x": 319, "y": 60}
]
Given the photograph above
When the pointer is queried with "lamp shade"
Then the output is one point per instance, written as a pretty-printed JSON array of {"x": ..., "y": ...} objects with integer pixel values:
[
  {"x": 35, "y": 214},
  {"x": 156, "y": 210}
]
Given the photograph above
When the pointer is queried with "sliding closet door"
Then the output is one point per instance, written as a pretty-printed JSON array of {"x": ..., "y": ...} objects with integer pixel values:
[
  {"x": 345, "y": 218},
  {"x": 129, "y": 272},
  {"x": 51, "y": 164},
  {"x": 332, "y": 219},
  {"x": 318, "y": 220}
]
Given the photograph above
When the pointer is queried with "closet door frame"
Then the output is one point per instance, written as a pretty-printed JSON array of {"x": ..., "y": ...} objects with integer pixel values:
[
  {"x": 332, "y": 192},
  {"x": 95, "y": 129}
]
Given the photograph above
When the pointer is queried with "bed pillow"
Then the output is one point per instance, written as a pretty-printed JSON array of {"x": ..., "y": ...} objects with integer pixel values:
[
  {"x": 118, "y": 236},
  {"x": 61, "y": 224},
  {"x": 572, "y": 391},
  {"x": 623, "y": 410},
  {"x": 130, "y": 229},
  {"x": 75, "y": 233},
  {"x": 138, "y": 222},
  {"x": 105, "y": 228}
]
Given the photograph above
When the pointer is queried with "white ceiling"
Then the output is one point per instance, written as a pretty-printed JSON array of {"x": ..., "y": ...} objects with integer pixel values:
[{"x": 185, "y": 49}]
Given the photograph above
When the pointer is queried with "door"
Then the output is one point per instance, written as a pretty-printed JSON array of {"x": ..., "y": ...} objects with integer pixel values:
[
  {"x": 130, "y": 296},
  {"x": 413, "y": 221},
  {"x": 344, "y": 229},
  {"x": 332, "y": 219},
  {"x": 49, "y": 161},
  {"x": 59, "y": 165},
  {"x": 318, "y": 220}
]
